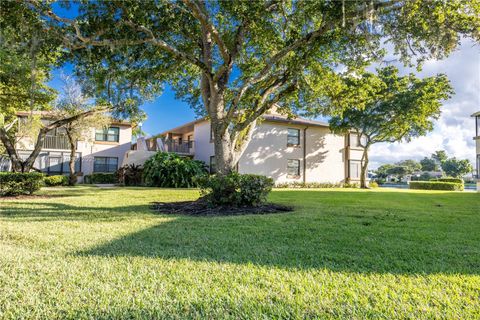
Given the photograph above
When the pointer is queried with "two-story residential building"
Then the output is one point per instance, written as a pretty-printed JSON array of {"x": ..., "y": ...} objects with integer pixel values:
[
  {"x": 476, "y": 115},
  {"x": 102, "y": 152},
  {"x": 287, "y": 150}
]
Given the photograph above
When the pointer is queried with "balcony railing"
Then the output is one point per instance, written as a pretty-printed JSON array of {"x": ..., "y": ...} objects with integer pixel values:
[
  {"x": 179, "y": 147},
  {"x": 56, "y": 142}
]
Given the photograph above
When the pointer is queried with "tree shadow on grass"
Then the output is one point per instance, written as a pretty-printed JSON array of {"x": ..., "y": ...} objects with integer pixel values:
[
  {"x": 51, "y": 211},
  {"x": 356, "y": 237}
]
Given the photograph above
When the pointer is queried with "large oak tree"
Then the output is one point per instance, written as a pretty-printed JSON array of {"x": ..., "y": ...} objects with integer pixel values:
[{"x": 233, "y": 60}]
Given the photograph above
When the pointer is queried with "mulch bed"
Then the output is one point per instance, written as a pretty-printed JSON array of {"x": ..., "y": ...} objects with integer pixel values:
[{"x": 201, "y": 208}]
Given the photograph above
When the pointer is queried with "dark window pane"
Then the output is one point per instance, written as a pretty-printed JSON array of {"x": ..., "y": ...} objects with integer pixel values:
[
  {"x": 293, "y": 137},
  {"x": 105, "y": 164},
  {"x": 293, "y": 167},
  {"x": 111, "y": 134}
]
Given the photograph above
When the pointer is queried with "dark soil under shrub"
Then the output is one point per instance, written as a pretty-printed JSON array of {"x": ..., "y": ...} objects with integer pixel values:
[{"x": 201, "y": 207}]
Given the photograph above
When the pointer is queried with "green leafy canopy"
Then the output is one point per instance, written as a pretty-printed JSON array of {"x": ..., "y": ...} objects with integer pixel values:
[
  {"x": 387, "y": 107},
  {"x": 248, "y": 55}
]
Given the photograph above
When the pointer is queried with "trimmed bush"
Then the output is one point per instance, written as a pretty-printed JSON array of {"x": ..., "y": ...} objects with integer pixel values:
[
  {"x": 14, "y": 183},
  {"x": 236, "y": 189},
  {"x": 58, "y": 180},
  {"x": 100, "y": 178},
  {"x": 436, "y": 185},
  {"x": 308, "y": 185},
  {"x": 454, "y": 180},
  {"x": 351, "y": 185},
  {"x": 169, "y": 170},
  {"x": 373, "y": 184}
]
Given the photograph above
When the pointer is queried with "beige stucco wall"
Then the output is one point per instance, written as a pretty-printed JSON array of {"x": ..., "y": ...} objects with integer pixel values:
[
  {"x": 203, "y": 146},
  {"x": 267, "y": 153},
  {"x": 325, "y": 158},
  {"x": 91, "y": 148}
]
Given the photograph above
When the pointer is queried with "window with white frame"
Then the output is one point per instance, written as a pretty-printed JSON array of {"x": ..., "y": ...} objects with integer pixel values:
[
  {"x": 105, "y": 164},
  {"x": 354, "y": 168},
  {"x": 477, "y": 120},
  {"x": 293, "y": 137},
  {"x": 110, "y": 134},
  {"x": 354, "y": 142},
  {"x": 293, "y": 167},
  {"x": 478, "y": 166}
]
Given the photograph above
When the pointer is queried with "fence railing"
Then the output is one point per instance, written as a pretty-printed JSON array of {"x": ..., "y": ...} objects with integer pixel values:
[
  {"x": 179, "y": 147},
  {"x": 56, "y": 142}
]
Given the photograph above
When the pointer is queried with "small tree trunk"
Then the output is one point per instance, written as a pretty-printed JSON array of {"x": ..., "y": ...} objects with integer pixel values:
[
  {"x": 73, "y": 154},
  {"x": 363, "y": 173},
  {"x": 11, "y": 151}
]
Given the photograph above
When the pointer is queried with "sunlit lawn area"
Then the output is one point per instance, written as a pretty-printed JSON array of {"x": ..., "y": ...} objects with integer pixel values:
[{"x": 101, "y": 253}]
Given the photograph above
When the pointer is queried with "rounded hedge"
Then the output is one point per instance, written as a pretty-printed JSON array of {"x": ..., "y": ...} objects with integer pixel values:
[
  {"x": 236, "y": 189},
  {"x": 454, "y": 180},
  {"x": 57, "y": 180},
  {"x": 436, "y": 185},
  {"x": 16, "y": 183},
  {"x": 169, "y": 170}
]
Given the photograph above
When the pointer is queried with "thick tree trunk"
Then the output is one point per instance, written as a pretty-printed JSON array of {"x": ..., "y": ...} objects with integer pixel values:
[
  {"x": 72, "y": 179},
  {"x": 224, "y": 151},
  {"x": 364, "y": 168}
]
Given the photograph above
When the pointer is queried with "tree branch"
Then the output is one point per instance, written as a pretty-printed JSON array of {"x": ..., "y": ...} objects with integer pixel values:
[
  {"x": 201, "y": 16},
  {"x": 308, "y": 38},
  {"x": 91, "y": 41},
  {"x": 265, "y": 106},
  {"x": 62, "y": 122}
]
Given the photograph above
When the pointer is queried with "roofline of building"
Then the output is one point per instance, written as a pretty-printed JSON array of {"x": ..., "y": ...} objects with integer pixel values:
[
  {"x": 298, "y": 121},
  {"x": 191, "y": 123},
  {"x": 476, "y": 114},
  {"x": 268, "y": 118},
  {"x": 46, "y": 114}
]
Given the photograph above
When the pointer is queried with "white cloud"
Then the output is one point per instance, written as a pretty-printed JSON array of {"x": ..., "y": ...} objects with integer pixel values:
[{"x": 454, "y": 130}]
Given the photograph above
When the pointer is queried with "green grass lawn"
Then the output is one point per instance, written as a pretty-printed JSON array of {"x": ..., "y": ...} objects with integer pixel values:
[{"x": 101, "y": 253}]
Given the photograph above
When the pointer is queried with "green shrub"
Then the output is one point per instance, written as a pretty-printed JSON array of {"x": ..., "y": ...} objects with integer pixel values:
[
  {"x": 373, "y": 184},
  {"x": 454, "y": 180},
  {"x": 130, "y": 175},
  {"x": 351, "y": 185},
  {"x": 436, "y": 185},
  {"x": 308, "y": 185},
  {"x": 235, "y": 189},
  {"x": 169, "y": 170},
  {"x": 100, "y": 178},
  {"x": 59, "y": 180},
  {"x": 14, "y": 184}
]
